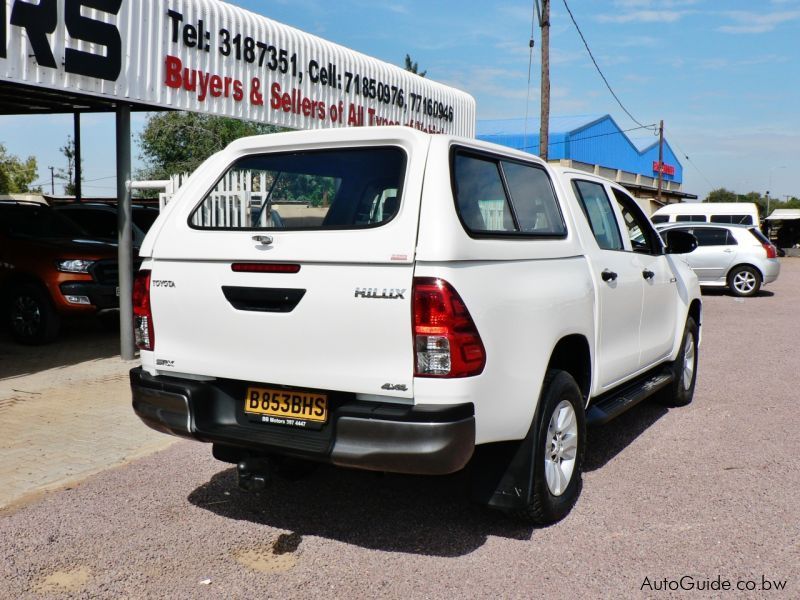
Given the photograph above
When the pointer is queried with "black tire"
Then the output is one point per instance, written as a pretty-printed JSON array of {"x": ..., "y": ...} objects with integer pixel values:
[
  {"x": 744, "y": 281},
  {"x": 546, "y": 505},
  {"x": 30, "y": 315},
  {"x": 681, "y": 391}
]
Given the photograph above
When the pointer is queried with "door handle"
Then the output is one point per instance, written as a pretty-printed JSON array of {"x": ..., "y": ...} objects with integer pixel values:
[
  {"x": 728, "y": 250},
  {"x": 648, "y": 274},
  {"x": 608, "y": 275}
]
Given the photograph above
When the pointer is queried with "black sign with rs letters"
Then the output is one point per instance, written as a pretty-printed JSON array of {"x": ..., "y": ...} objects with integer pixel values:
[{"x": 40, "y": 20}]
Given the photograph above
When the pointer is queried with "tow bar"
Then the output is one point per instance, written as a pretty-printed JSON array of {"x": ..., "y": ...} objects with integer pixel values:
[{"x": 253, "y": 474}]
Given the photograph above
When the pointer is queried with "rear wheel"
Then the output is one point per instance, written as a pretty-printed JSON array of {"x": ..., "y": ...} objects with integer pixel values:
[
  {"x": 558, "y": 451},
  {"x": 744, "y": 281},
  {"x": 31, "y": 318},
  {"x": 681, "y": 391}
]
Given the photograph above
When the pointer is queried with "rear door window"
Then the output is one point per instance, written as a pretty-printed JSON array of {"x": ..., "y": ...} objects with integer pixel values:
[
  {"x": 328, "y": 189},
  {"x": 711, "y": 236},
  {"x": 598, "y": 211},
  {"x": 495, "y": 196}
]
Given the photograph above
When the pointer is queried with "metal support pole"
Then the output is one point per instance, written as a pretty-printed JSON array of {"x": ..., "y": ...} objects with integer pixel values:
[
  {"x": 78, "y": 170},
  {"x": 125, "y": 238},
  {"x": 660, "y": 160}
]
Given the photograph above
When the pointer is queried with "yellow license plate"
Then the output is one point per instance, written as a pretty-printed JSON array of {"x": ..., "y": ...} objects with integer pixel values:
[{"x": 286, "y": 404}]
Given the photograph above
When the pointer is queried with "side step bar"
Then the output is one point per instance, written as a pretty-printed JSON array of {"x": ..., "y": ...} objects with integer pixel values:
[{"x": 606, "y": 408}]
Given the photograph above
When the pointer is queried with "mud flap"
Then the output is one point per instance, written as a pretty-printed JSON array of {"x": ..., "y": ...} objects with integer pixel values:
[{"x": 502, "y": 473}]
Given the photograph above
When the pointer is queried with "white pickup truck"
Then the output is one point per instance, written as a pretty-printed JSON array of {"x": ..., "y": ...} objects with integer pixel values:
[{"x": 385, "y": 299}]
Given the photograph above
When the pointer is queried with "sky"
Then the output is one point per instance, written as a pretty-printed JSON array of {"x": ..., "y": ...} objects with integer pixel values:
[{"x": 724, "y": 75}]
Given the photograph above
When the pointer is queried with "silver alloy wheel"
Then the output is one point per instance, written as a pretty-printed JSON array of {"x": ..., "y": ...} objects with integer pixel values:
[
  {"x": 688, "y": 361},
  {"x": 744, "y": 282},
  {"x": 560, "y": 448}
]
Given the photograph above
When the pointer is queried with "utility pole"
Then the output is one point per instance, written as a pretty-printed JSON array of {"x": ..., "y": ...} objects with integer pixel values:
[
  {"x": 78, "y": 169},
  {"x": 767, "y": 202},
  {"x": 52, "y": 181},
  {"x": 660, "y": 159},
  {"x": 544, "y": 130}
]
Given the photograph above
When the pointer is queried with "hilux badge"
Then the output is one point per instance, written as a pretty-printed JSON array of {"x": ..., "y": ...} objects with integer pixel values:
[{"x": 381, "y": 294}]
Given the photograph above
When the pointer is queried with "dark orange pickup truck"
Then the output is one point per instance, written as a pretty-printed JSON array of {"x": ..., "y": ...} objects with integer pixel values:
[{"x": 50, "y": 269}]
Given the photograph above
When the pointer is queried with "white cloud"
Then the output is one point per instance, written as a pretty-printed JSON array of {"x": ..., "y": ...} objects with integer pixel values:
[
  {"x": 753, "y": 22},
  {"x": 657, "y": 3},
  {"x": 644, "y": 16}
]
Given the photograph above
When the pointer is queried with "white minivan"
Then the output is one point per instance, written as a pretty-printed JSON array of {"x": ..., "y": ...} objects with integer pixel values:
[{"x": 732, "y": 213}]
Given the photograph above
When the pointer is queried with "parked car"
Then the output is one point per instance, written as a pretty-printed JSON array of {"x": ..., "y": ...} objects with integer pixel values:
[
  {"x": 50, "y": 269},
  {"x": 737, "y": 213},
  {"x": 100, "y": 220},
  {"x": 734, "y": 256},
  {"x": 451, "y": 301}
]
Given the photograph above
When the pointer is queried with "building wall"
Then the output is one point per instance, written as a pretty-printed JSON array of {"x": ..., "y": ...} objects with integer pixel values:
[{"x": 591, "y": 140}]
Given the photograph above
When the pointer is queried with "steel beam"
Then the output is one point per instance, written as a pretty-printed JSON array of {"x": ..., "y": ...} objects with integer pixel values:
[{"x": 125, "y": 237}]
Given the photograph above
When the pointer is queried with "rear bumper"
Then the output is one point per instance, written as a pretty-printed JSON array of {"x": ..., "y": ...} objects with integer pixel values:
[
  {"x": 772, "y": 268},
  {"x": 421, "y": 439}
]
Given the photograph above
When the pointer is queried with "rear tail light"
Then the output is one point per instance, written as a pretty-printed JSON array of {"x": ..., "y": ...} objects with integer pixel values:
[
  {"x": 772, "y": 252},
  {"x": 446, "y": 341},
  {"x": 142, "y": 313}
]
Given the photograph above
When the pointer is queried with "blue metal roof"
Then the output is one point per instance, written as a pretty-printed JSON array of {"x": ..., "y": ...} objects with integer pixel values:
[{"x": 593, "y": 139}]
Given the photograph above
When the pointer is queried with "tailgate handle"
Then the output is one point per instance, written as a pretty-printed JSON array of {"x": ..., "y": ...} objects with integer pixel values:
[
  {"x": 256, "y": 299},
  {"x": 264, "y": 240}
]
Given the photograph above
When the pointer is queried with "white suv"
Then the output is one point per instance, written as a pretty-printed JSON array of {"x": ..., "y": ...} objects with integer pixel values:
[{"x": 423, "y": 303}]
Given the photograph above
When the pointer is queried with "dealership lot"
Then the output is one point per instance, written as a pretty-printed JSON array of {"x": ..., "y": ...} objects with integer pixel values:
[{"x": 704, "y": 492}]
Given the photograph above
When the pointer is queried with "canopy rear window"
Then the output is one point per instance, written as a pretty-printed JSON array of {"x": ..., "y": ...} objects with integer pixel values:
[{"x": 325, "y": 189}]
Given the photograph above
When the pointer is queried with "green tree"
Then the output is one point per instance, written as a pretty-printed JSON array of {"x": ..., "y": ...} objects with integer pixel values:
[
  {"x": 721, "y": 195},
  {"x": 177, "y": 142},
  {"x": 16, "y": 175},
  {"x": 413, "y": 67}
]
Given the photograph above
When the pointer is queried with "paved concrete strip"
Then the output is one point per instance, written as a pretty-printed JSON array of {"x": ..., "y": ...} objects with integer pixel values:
[{"x": 63, "y": 424}]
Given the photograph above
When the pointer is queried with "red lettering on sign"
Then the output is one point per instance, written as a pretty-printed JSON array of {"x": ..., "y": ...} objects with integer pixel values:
[
  {"x": 200, "y": 82},
  {"x": 665, "y": 168}
]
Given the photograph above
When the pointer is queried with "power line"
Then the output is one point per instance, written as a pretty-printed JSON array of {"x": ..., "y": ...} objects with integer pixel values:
[
  {"x": 686, "y": 156},
  {"x": 589, "y": 137},
  {"x": 530, "y": 65},
  {"x": 596, "y": 66}
]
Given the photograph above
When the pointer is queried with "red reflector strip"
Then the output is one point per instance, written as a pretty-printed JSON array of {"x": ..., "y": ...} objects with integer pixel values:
[
  {"x": 423, "y": 330},
  {"x": 264, "y": 268}
]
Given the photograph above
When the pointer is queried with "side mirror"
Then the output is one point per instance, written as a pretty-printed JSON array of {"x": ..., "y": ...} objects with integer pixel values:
[{"x": 679, "y": 242}]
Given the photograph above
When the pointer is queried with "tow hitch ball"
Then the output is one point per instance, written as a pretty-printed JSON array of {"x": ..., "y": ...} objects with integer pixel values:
[{"x": 253, "y": 474}]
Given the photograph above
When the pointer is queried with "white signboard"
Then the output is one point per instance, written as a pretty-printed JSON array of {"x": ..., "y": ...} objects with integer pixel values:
[{"x": 211, "y": 57}]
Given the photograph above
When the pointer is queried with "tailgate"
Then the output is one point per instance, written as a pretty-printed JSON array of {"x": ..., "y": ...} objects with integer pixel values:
[{"x": 302, "y": 280}]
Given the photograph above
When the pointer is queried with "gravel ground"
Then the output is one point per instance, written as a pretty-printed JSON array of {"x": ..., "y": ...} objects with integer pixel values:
[{"x": 707, "y": 491}]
